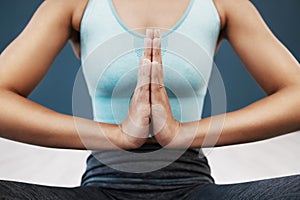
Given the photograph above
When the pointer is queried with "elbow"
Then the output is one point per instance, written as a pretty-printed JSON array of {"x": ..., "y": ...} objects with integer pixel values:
[
  {"x": 294, "y": 87},
  {"x": 5, "y": 89}
]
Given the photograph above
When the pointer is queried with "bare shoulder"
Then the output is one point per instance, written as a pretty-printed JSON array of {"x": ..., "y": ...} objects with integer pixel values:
[
  {"x": 226, "y": 9},
  {"x": 71, "y": 12},
  {"x": 72, "y": 8},
  {"x": 231, "y": 8}
]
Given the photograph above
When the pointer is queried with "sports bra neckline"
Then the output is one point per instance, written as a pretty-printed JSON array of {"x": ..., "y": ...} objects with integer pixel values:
[{"x": 165, "y": 34}]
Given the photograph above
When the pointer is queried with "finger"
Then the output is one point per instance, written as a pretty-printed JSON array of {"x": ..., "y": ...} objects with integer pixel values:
[
  {"x": 145, "y": 62},
  {"x": 150, "y": 33},
  {"x": 157, "y": 74},
  {"x": 157, "y": 82},
  {"x": 147, "y": 48},
  {"x": 148, "y": 44},
  {"x": 156, "y": 47},
  {"x": 156, "y": 33},
  {"x": 144, "y": 75},
  {"x": 157, "y": 78}
]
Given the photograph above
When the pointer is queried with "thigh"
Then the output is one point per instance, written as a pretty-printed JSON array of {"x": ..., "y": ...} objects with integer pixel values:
[
  {"x": 283, "y": 188},
  {"x": 17, "y": 190}
]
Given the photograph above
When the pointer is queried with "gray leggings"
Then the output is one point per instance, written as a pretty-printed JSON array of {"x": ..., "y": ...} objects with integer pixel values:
[{"x": 287, "y": 187}]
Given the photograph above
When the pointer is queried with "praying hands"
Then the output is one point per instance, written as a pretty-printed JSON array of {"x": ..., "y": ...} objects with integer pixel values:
[{"x": 150, "y": 103}]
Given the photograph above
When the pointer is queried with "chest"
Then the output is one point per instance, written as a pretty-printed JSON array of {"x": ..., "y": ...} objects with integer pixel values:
[
  {"x": 138, "y": 14},
  {"x": 187, "y": 63}
]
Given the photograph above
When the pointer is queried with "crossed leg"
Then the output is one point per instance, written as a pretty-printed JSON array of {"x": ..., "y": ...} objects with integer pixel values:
[{"x": 282, "y": 188}]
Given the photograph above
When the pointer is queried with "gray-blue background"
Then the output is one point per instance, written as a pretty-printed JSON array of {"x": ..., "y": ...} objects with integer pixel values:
[{"x": 55, "y": 91}]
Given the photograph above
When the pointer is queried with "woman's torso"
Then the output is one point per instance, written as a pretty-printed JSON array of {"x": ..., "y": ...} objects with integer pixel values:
[
  {"x": 163, "y": 14},
  {"x": 103, "y": 23}
]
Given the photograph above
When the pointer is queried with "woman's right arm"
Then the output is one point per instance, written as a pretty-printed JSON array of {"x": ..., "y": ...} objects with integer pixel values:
[{"x": 23, "y": 64}]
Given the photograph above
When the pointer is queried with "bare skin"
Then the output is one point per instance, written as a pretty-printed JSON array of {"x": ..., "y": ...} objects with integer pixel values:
[
  {"x": 136, "y": 125},
  {"x": 26, "y": 60}
]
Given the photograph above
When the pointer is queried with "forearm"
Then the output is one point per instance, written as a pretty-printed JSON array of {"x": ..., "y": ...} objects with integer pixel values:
[
  {"x": 26, "y": 121},
  {"x": 269, "y": 117}
]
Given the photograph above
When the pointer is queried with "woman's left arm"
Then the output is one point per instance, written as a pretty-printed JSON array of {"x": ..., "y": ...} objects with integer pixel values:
[{"x": 275, "y": 70}]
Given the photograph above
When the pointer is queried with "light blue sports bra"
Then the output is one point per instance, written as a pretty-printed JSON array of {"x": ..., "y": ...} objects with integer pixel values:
[{"x": 111, "y": 53}]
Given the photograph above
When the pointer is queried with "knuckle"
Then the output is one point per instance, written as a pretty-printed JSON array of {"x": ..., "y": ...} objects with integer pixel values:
[
  {"x": 147, "y": 42},
  {"x": 155, "y": 88},
  {"x": 145, "y": 87},
  {"x": 147, "y": 47},
  {"x": 156, "y": 41},
  {"x": 147, "y": 53},
  {"x": 142, "y": 90},
  {"x": 145, "y": 62},
  {"x": 156, "y": 51}
]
